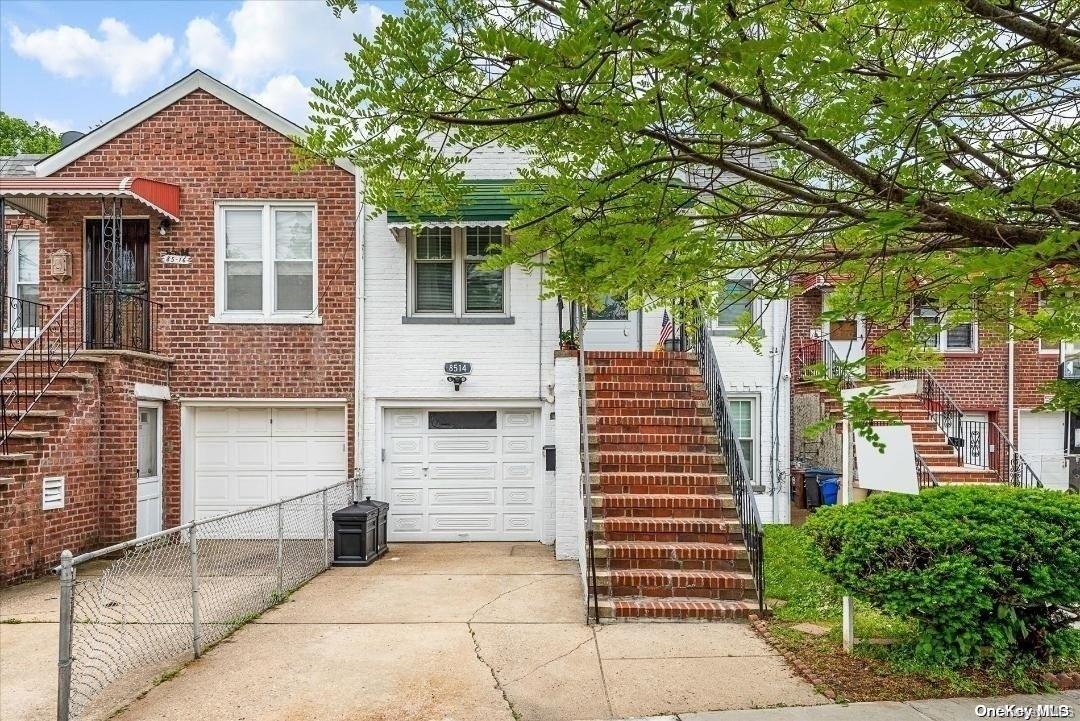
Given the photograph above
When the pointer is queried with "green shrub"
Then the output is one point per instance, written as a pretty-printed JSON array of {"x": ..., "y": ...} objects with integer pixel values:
[{"x": 987, "y": 574}]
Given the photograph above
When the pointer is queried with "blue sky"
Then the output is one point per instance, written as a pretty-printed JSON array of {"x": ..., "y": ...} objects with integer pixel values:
[{"x": 73, "y": 64}]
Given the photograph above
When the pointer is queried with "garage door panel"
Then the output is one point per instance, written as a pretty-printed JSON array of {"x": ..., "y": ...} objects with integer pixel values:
[
  {"x": 250, "y": 453},
  {"x": 251, "y": 488},
  {"x": 462, "y": 496},
  {"x": 288, "y": 484},
  {"x": 462, "y": 471},
  {"x": 519, "y": 445},
  {"x": 309, "y": 453},
  {"x": 213, "y": 422},
  {"x": 212, "y": 454},
  {"x": 249, "y": 421},
  {"x": 450, "y": 447},
  {"x": 1042, "y": 445},
  {"x": 212, "y": 488},
  {"x": 463, "y": 480}
]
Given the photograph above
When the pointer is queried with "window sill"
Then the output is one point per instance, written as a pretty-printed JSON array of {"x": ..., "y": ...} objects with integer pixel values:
[
  {"x": 456, "y": 320},
  {"x": 733, "y": 333},
  {"x": 266, "y": 319},
  {"x": 959, "y": 353}
]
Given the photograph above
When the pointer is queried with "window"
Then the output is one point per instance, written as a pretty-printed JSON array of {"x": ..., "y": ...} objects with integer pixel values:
[
  {"x": 957, "y": 338},
  {"x": 23, "y": 282},
  {"x": 462, "y": 420},
  {"x": 611, "y": 308},
  {"x": 1052, "y": 347},
  {"x": 447, "y": 276},
  {"x": 738, "y": 302},
  {"x": 267, "y": 260},
  {"x": 745, "y": 426}
]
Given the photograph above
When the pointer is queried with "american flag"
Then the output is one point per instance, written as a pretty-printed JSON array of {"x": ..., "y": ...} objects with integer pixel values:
[{"x": 667, "y": 328}]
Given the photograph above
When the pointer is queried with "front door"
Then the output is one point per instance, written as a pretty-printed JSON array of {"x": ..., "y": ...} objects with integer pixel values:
[
  {"x": 148, "y": 491},
  {"x": 612, "y": 326},
  {"x": 118, "y": 287}
]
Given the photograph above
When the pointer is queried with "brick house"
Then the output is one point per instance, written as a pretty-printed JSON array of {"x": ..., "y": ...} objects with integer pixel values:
[
  {"x": 994, "y": 386},
  {"x": 203, "y": 292}
]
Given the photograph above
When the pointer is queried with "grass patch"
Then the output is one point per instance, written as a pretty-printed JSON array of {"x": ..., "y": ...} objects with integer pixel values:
[{"x": 882, "y": 666}]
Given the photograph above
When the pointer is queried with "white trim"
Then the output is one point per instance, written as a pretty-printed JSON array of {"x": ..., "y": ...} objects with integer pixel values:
[
  {"x": 458, "y": 261},
  {"x": 197, "y": 80},
  {"x": 12, "y": 281},
  {"x": 756, "y": 474},
  {"x": 151, "y": 391},
  {"x": 158, "y": 406},
  {"x": 264, "y": 402},
  {"x": 269, "y": 275}
]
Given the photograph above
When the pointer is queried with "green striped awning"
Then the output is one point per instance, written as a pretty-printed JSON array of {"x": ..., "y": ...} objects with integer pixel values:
[{"x": 487, "y": 202}]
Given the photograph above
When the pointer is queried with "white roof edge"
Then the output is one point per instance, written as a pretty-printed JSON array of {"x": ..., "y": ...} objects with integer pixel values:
[{"x": 196, "y": 80}]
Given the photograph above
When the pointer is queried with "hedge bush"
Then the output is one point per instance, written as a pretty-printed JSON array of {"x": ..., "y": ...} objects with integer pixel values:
[{"x": 987, "y": 574}]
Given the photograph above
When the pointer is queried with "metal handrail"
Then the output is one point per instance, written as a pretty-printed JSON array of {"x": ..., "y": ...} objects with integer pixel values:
[
  {"x": 31, "y": 373},
  {"x": 586, "y": 483},
  {"x": 19, "y": 317},
  {"x": 926, "y": 477},
  {"x": 741, "y": 488}
]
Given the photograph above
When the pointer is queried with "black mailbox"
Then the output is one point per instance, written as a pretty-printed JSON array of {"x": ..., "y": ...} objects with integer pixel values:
[{"x": 356, "y": 534}]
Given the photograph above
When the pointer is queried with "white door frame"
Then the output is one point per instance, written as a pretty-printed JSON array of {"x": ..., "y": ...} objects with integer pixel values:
[
  {"x": 853, "y": 350},
  {"x": 159, "y": 406}
]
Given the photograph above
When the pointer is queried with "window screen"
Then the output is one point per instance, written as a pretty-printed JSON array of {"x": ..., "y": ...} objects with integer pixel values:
[{"x": 462, "y": 420}]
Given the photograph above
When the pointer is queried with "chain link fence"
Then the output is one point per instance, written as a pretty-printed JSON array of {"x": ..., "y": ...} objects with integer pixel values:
[{"x": 160, "y": 600}]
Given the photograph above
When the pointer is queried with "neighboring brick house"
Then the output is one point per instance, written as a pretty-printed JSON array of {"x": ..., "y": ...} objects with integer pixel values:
[
  {"x": 216, "y": 331},
  {"x": 990, "y": 382}
]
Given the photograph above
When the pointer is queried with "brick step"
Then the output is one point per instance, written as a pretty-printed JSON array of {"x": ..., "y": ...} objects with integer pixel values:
[
  {"x": 14, "y": 458},
  {"x": 639, "y": 389},
  {"x": 619, "y": 461},
  {"x": 653, "y": 442},
  {"x": 693, "y": 423},
  {"x": 649, "y": 355},
  {"x": 963, "y": 474},
  {"x": 675, "y": 609},
  {"x": 638, "y": 403},
  {"x": 640, "y": 483},
  {"x": 664, "y": 505},
  {"x": 635, "y": 369},
  {"x": 940, "y": 460},
  {"x": 50, "y": 392},
  {"x": 668, "y": 530},
  {"x": 658, "y": 583},
  {"x": 680, "y": 556},
  {"x": 650, "y": 412}
]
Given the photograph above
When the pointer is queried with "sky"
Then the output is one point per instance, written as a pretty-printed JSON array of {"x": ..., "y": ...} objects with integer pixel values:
[{"x": 74, "y": 64}]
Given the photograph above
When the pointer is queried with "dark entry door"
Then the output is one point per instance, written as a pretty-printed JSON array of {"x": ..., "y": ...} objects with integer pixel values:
[{"x": 118, "y": 292}]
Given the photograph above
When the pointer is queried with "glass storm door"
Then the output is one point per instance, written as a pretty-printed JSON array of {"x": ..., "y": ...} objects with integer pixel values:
[
  {"x": 148, "y": 495},
  {"x": 612, "y": 326}
]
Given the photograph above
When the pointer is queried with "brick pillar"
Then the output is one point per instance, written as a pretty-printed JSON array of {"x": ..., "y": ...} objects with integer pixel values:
[{"x": 568, "y": 509}]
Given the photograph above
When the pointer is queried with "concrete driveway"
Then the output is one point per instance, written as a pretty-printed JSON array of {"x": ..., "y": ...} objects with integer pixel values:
[{"x": 452, "y": 632}]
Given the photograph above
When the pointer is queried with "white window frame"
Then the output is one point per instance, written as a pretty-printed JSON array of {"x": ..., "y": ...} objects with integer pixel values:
[
  {"x": 942, "y": 334},
  {"x": 753, "y": 464},
  {"x": 12, "y": 281},
  {"x": 268, "y": 314},
  {"x": 458, "y": 264},
  {"x": 1055, "y": 349},
  {"x": 748, "y": 282}
]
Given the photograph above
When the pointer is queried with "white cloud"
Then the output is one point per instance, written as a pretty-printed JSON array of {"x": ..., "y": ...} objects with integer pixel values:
[
  {"x": 268, "y": 46},
  {"x": 126, "y": 61},
  {"x": 57, "y": 125},
  {"x": 287, "y": 96}
]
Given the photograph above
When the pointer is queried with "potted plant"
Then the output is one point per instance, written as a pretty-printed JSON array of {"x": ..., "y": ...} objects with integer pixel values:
[{"x": 568, "y": 340}]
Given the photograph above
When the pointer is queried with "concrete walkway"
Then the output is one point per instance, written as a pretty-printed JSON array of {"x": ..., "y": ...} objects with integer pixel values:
[
  {"x": 436, "y": 632},
  {"x": 1063, "y": 705}
]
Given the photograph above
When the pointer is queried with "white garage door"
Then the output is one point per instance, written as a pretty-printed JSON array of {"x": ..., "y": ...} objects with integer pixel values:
[
  {"x": 463, "y": 475},
  {"x": 246, "y": 457},
  {"x": 1042, "y": 444}
]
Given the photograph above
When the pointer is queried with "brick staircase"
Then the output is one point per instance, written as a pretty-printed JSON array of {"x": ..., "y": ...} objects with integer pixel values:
[
  {"x": 930, "y": 441},
  {"x": 39, "y": 431},
  {"x": 668, "y": 545}
]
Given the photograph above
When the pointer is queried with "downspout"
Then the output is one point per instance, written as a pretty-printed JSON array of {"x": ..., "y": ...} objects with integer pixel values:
[
  {"x": 1011, "y": 370},
  {"x": 358, "y": 309},
  {"x": 540, "y": 343}
]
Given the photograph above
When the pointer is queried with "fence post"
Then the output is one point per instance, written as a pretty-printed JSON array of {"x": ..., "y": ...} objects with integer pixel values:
[
  {"x": 196, "y": 620},
  {"x": 67, "y": 609},
  {"x": 280, "y": 552},
  {"x": 325, "y": 533}
]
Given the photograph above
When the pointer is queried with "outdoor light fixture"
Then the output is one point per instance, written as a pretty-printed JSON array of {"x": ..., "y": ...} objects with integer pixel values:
[
  {"x": 457, "y": 381},
  {"x": 163, "y": 228}
]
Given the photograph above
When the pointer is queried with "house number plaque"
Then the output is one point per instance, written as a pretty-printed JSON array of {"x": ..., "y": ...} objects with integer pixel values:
[{"x": 457, "y": 368}]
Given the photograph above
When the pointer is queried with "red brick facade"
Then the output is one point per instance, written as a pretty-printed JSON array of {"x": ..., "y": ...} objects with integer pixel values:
[{"x": 213, "y": 152}]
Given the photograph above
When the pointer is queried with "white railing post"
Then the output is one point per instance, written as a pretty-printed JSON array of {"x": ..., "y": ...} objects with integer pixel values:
[
  {"x": 67, "y": 609},
  {"x": 196, "y": 619}
]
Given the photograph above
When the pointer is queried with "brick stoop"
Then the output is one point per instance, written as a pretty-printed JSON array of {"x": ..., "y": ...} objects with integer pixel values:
[{"x": 668, "y": 546}]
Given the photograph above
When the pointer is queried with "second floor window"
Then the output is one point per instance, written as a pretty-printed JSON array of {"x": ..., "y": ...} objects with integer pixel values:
[
  {"x": 267, "y": 255},
  {"x": 447, "y": 273},
  {"x": 738, "y": 302},
  {"x": 942, "y": 335}
]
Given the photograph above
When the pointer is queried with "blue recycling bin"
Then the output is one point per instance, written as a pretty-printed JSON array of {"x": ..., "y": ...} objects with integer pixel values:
[{"x": 830, "y": 488}]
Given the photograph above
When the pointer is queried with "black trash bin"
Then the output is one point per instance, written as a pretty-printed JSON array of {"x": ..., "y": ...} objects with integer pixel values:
[
  {"x": 356, "y": 534},
  {"x": 814, "y": 476},
  {"x": 380, "y": 534}
]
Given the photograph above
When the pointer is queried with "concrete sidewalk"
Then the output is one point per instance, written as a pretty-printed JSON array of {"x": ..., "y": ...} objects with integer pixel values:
[
  {"x": 446, "y": 632},
  {"x": 1063, "y": 705}
]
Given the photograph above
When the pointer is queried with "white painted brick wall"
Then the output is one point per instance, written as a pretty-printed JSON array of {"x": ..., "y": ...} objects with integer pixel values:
[{"x": 569, "y": 511}]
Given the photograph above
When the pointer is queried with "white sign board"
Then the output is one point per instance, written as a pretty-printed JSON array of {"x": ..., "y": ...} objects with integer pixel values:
[{"x": 892, "y": 469}]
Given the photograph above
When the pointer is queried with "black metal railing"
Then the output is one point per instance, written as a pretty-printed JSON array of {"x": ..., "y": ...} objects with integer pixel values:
[
  {"x": 592, "y": 599},
  {"x": 120, "y": 320},
  {"x": 925, "y": 476},
  {"x": 942, "y": 409},
  {"x": 37, "y": 365},
  {"x": 20, "y": 319},
  {"x": 741, "y": 487},
  {"x": 982, "y": 444}
]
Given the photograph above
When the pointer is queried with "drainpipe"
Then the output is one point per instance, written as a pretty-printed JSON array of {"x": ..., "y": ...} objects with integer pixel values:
[
  {"x": 1011, "y": 381},
  {"x": 540, "y": 343},
  {"x": 358, "y": 309}
]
